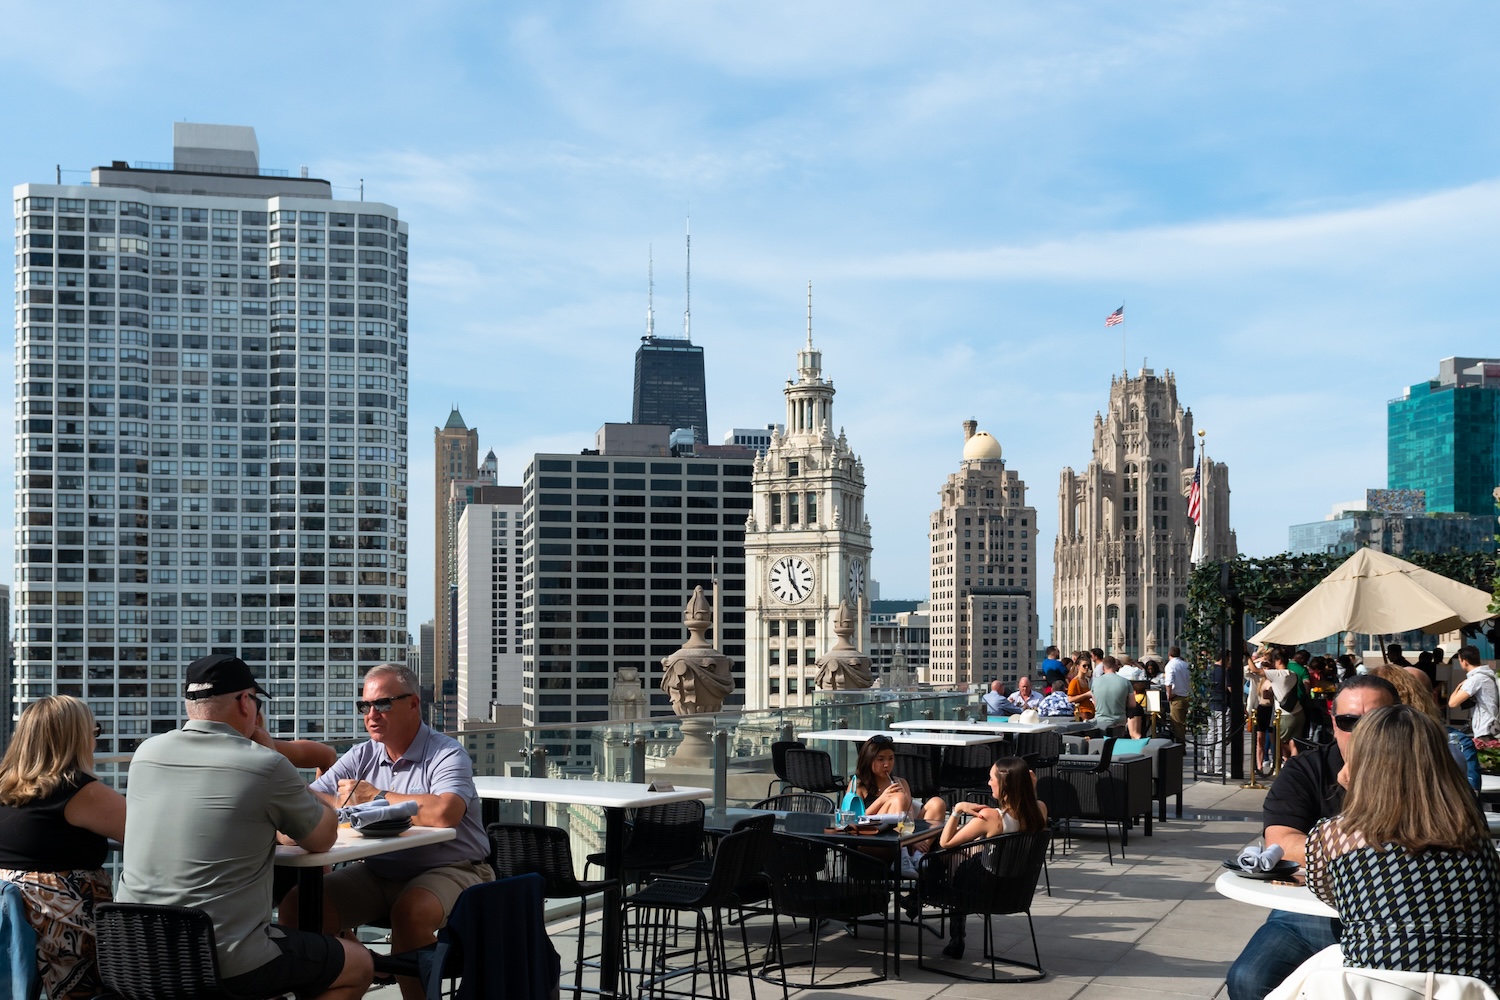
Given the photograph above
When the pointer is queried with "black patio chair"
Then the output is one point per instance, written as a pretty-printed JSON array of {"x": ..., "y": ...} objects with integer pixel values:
[
  {"x": 778, "y": 761},
  {"x": 157, "y": 952},
  {"x": 916, "y": 769},
  {"x": 812, "y": 771},
  {"x": 992, "y": 877},
  {"x": 660, "y": 838},
  {"x": 800, "y": 802},
  {"x": 966, "y": 768},
  {"x": 824, "y": 882}
]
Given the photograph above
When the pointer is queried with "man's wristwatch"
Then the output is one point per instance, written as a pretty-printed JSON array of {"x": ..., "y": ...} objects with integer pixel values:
[{"x": 379, "y": 797}]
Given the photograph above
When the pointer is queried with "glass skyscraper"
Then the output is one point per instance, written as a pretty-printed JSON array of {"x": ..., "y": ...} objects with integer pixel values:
[
  {"x": 211, "y": 443},
  {"x": 669, "y": 386},
  {"x": 1444, "y": 437}
]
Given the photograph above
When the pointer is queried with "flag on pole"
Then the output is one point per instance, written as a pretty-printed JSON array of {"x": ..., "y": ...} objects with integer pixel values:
[
  {"x": 1115, "y": 318},
  {"x": 1195, "y": 511}
]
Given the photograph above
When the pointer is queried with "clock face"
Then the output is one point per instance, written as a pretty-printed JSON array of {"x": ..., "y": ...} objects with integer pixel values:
[
  {"x": 856, "y": 578},
  {"x": 791, "y": 580}
]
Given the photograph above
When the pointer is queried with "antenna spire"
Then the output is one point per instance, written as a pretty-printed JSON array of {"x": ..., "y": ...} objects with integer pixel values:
[
  {"x": 650, "y": 294},
  {"x": 809, "y": 315},
  {"x": 687, "y": 313}
]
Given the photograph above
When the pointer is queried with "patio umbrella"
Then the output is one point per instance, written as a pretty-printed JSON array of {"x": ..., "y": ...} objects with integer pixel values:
[{"x": 1375, "y": 593}]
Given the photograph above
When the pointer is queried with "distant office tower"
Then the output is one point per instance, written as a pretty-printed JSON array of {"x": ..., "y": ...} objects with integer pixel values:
[
  {"x": 758, "y": 438},
  {"x": 7, "y": 669},
  {"x": 807, "y": 545},
  {"x": 670, "y": 387},
  {"x": 1444, "y": 437},
  {"x": 488, "y": 541},
  {"x": 198, "y": 471},
  {"x": 1124, "y": 537},
  {"x": 455, "y": 457},
  {"x": 900, "y": 642},
  {"x": 426, "y": 677},
  {"x": 1398, "y": 528},
  {"x": 984, "y": 550},
  {"x": 615, "y": 541}
]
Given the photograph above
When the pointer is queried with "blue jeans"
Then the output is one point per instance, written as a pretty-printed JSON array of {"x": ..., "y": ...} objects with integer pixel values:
[{"x": 1284, "y": 941}]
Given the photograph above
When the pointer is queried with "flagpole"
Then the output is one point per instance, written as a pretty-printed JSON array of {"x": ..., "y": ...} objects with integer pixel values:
[
  {"x": 1198, "y": 555},
  {"x": 1124, "y": 360}
]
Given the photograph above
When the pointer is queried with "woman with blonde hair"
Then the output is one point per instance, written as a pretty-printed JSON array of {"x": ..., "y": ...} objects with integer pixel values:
[
  {"x": 1408, "y": 863},
  {"x": 55, "y": 821}
]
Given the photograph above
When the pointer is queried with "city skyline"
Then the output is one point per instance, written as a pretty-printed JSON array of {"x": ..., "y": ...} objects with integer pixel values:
[{"x": 1297, "y": 230}]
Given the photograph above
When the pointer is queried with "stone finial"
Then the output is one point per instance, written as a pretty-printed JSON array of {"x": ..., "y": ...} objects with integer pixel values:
[
  {"x": 844, "y": 667},
  {"x": 697, "y": 676}
]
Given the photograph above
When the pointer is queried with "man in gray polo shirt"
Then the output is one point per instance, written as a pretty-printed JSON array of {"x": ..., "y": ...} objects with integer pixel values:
[
  {"x": 405, "y": 760},
  {"x": 205, "y": 809},
  {"x": 1111, "y": 694}
]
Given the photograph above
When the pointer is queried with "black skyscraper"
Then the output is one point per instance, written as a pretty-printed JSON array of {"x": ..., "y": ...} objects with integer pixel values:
[{"x": 669, "y": 386}]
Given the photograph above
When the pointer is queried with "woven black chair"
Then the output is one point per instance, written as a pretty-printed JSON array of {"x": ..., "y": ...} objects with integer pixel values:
[
  {"x": 655, "y": 907},
  {"x": 157, "y": 952},
  {"x": 966, "y": 768},
  {"x": 993, "y": 877},
  {"x": 1040, "y": 750},
  {"x": 661, "y": 838},
  {"x": 797, "y": 802},
  {"x": 916, "y": 769},
  {"x": 778, "y": 761},
  {"x": 823, "y": 882},
  {"x": 522, "y": 849},
  {"x": 812, "y": 771}
]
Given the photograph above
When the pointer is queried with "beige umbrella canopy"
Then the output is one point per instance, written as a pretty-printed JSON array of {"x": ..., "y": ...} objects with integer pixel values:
[{"x": 1377, "y": 594}]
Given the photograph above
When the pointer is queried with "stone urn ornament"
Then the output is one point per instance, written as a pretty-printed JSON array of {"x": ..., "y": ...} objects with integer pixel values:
[
  {"x": 844, "y": 667},
  {"x": 697, "y": 678}
]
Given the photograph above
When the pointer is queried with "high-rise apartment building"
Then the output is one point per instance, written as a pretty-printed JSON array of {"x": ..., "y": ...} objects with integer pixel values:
[
  {"x": 211, "y": 439},
  {"x": 807, "y": 545},
  {"x": 488, "y": 541},
  {"x": 1124, "y": 537},
  {"x": 984, "y": 548},
  {"x": 614, "y": 542},
  {"x": 1443, "y": 437},
  {"x": 455, "y": 458},
  {"x": 426, "y": 675},
  {"x": 669, "y": 386},
  {"x": 7, "y": 668}
]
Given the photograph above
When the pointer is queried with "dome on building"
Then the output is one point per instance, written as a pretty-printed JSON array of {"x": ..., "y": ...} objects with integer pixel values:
[{"x": 981, "y": 446}]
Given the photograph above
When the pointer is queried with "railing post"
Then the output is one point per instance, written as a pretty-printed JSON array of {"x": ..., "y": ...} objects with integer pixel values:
[
  {"x": 927, "y": 714},
  {"x": 536, "y": 761},
  {"x": 887, "y": 719},
  {"x": 637, "y": 759},
  {"x": 721, "y": 768},
  {"x": 788, "y": 732},
  {"x": 961, "y": 712}
]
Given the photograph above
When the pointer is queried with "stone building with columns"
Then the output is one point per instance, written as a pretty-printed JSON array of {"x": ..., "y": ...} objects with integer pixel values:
[
  {"x": 984, "y": 548},
  {"x": 807, "y": 543},
  {"x": 1124, "y": 538}
]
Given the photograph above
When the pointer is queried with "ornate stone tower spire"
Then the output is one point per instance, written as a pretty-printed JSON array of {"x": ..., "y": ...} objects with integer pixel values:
[{"x": 809, "y": 400}]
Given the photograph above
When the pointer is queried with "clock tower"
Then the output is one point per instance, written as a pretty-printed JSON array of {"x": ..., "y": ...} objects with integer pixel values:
[{"x": 807, "y": 542}]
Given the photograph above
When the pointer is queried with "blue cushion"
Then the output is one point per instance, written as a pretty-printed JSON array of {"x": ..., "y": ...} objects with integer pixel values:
[{"x": 1131, "y": 746}]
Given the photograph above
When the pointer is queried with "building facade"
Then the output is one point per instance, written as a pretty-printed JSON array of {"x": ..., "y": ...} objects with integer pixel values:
[
  {"x": 1397, "y": 534},
  {"x": 984, "y": 547},
  {"x": 807, "y": 544},
  {"x": 455, "y": 448},
  {"x": 669, "y": 385},
  {"x": 758, "y": 438},
  {"x": 211, "y": 443},
  {"x": 1443, "y": 437},
  {"x": 613, "y": 543},
  {"x": 900, "y": 642},
  {"x": 1124, "y": 540},
  {"x": 489, "y": 603}
]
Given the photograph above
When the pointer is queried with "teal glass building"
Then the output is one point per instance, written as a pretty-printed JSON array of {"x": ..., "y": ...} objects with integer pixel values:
[{"x": 1444, "y": 437}]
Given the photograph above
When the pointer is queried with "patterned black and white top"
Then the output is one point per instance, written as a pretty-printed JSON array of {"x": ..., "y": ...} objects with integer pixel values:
[{"x": 1436, "y": 911}]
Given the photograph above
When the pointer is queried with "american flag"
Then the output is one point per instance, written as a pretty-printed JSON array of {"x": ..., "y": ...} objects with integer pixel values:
[
  {"x": 1195, "y": 494},
  {"x": 1115, "y": 318}
]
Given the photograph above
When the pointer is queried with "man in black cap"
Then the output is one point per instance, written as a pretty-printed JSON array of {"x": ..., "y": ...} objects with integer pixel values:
[{"x": 206, "y": 806}]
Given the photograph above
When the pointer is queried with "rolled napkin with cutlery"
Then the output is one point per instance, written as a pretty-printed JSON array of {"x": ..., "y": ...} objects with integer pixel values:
[
  {"x": 1253, "y": 859},
  {"x": 369, "y": 813}
]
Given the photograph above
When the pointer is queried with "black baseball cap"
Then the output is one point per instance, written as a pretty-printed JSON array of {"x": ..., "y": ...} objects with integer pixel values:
[{"x": 219, "y": 674}]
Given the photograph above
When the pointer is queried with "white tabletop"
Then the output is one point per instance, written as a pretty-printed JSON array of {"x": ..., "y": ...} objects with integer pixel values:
[
  {"x": 608, "y": 794},
  {"x": 920, "y": 738},
  {"x": 1294, "y": 898},
  {"x": 1061, "y": 725},
  {"x": 351, "y": 846},
  {"x": 1489, "y": 783}
]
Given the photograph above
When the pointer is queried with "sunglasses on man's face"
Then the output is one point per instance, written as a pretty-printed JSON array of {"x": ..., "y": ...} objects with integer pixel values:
[
  {"x": 1346, "y": 723},
  {"x": 381, "y": 705}
]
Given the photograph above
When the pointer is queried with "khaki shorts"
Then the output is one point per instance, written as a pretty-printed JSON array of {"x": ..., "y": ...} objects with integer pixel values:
[{"x": 361, "y": 897}]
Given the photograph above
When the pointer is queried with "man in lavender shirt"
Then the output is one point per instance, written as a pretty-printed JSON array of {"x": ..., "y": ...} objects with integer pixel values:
[{"x": 405, "y": 760}]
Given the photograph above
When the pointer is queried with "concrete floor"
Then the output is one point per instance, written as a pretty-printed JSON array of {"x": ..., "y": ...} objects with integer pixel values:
[{"x": 1150, "y": 924}]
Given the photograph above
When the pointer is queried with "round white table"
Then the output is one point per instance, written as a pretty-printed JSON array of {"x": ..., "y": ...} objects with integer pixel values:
[
  {"x": 1487, "y": 783},
  {"x": 1293, "y": 898}
]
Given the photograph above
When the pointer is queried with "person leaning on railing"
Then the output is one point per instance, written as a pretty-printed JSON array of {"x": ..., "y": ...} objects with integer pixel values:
[{"x": 56, "y": 819}]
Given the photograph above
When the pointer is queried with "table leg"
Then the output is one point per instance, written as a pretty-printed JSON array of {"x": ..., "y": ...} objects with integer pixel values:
[
  {"x": 612, "y": 933},
  {"x": 310, "y": 899}
]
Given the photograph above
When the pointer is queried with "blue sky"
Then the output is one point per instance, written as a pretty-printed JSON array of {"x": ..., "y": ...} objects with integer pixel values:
[{"x": 1298, "y": 203}]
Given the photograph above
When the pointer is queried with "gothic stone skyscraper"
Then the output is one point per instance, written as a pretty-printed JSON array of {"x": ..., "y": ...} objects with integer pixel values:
[
  {"x": 211, "y": 436},
  {"x": 455, "y": 459},
  {"x": 1124, "y": 537},
  {"x": 984, "y": 621},
  {"x": 807, "y": 544}
]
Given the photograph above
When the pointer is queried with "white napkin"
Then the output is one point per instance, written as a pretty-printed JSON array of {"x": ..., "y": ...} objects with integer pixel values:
[
  {"x": 368, "y": 813},
  {"x": 886, "y": 817},
  {"x": 1253, "y": 859}
]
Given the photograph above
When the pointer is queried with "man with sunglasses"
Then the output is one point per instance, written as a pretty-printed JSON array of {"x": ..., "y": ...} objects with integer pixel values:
[
  {"x": 1306, "y": 790},
  {"x": 206, "y": 807},
  {"x": 405, "y": 760}
]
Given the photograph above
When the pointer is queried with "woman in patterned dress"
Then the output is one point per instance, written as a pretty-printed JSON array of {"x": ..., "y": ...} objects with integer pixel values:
[
  {"x": 55, "y": 818},
  {"x": 1408, "y": 863}
]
